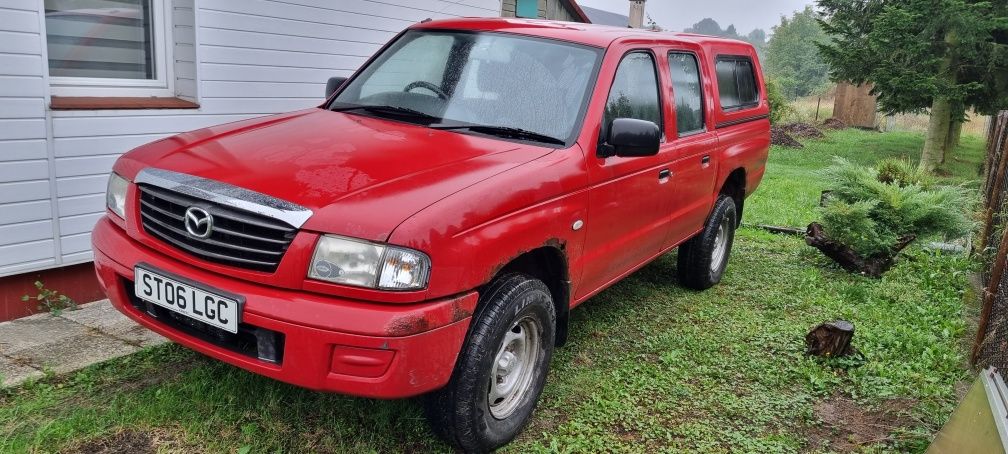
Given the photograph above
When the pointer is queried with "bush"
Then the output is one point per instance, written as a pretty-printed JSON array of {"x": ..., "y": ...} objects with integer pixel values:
[
  {"x": 780, "y": 108},
  {"x": 871, "y": 208},
  {"x": 851, "y": 224},
  {"x": 904, "y": 173}
]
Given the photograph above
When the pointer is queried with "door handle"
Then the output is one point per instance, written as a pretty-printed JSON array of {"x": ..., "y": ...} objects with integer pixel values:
[
  {"x": 705, "y": 161},
  {"x": 664, "y": 175}
]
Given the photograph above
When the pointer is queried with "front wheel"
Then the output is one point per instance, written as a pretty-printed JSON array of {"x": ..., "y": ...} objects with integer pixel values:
[
  {"x": 703, "y": 258},
  {"x": 501, "y": 369}
]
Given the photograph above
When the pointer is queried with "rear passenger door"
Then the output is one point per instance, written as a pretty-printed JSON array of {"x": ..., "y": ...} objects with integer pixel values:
[{"x": 693, "y": 147}]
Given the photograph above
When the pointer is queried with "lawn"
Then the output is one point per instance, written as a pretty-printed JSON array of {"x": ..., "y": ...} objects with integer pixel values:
[{"x": 649, "y": 366}]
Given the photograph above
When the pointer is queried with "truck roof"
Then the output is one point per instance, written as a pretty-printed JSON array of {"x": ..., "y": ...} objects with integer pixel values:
[{"x": 588, "y": 34}]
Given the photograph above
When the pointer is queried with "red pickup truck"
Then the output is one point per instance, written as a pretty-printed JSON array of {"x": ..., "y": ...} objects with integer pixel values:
[{"x": 429, "y": 227}]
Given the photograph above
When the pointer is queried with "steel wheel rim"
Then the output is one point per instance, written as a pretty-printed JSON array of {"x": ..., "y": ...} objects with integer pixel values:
[
  {"x": 720, "y": 246},
  {"x": 513, "y": 368}
]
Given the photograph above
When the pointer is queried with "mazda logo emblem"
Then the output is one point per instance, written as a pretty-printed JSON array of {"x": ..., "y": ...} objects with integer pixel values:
[{"x": 198, "y": 222}]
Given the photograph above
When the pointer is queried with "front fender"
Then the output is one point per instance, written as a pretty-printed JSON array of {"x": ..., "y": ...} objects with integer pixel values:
[{"x": 473, "y": 234}]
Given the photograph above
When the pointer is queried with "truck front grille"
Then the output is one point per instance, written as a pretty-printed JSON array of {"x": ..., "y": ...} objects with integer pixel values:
[{"x": 237, "y": 237}]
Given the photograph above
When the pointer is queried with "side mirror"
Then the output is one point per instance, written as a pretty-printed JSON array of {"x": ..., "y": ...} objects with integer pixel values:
[
  {"x": 333, "y": 84},
  {"x": 629, "y": 137}
]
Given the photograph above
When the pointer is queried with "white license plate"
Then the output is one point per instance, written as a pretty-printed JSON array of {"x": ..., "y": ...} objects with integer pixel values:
[{"x": 187, "y": 299}]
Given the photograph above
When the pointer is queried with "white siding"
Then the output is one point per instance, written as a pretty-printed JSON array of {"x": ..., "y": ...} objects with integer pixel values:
[
  {"x": 293, "y": 46},
  {"x": 184, "y": 32},
  {"x": 26, "y": 190},
  {"x": 236, "y": 58}
]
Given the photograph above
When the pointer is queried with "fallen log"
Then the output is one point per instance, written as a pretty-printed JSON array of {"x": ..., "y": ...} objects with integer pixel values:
[
  {"x": 780, "y": 229},
  {"x": 873, "y": 266}
]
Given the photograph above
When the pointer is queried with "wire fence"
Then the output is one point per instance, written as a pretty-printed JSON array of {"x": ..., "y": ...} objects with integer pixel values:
[{"x": 991, "y": 346}]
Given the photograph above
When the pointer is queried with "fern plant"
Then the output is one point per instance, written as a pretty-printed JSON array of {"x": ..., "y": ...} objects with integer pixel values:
[{"x": 875, "y": 211}]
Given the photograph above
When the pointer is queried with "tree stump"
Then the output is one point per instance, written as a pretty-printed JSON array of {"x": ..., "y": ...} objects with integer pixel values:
[
  {"x": 873, "y": 266},
  {"x": 830, "y": 339}
]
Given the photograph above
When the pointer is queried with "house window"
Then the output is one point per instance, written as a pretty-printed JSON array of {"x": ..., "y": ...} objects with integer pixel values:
[
  {"x": 108, "y": 48},
  {"x": 527, "y": 8},
  {"x": 736, "y": 83}
]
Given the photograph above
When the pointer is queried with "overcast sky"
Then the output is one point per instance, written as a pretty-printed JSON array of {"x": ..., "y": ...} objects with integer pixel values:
[{"x": 676, "y": 15}]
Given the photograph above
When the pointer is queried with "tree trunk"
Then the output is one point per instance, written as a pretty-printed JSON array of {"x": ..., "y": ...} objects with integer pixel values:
[
  {"x": 955, "y": 134},
  {"x": 942, "y": 108},
  {"x": 937, "y": 134},
  {"x": 955, "y": 131},
  {"x": 850, "y": 260}
]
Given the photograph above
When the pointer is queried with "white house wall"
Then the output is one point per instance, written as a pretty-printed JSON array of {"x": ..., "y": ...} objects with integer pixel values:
[
  {"x": 236, "y": 58},
  {"x": 27, "y": 202}
]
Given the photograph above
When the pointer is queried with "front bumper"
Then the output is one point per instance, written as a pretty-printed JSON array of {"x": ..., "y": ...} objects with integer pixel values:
[{"x": 326, "y": 343}]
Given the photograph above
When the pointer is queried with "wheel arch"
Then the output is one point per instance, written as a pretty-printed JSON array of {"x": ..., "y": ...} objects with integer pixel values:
[
  {"x": 549, "y": 264},
  {"x": 734, "y": 186}
]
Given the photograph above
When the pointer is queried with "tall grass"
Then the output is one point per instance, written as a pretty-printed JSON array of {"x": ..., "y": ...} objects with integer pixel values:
[{"x": 804, "y": 110}]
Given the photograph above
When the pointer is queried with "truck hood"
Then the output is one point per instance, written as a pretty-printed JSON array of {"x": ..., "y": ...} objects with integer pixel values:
[{"x": 360, "y": 176}]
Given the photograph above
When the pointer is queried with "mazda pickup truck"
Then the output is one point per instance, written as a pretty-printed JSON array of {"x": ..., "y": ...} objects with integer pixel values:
[{"x": 428, "y": 228}]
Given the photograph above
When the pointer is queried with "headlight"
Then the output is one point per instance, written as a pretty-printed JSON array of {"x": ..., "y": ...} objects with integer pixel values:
[
  {"x": 115, "y": 196},
  {"x": 364, "y": 264}
]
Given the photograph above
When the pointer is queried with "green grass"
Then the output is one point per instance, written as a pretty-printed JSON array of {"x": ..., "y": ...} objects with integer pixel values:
[{"x": 649, "y": 366}]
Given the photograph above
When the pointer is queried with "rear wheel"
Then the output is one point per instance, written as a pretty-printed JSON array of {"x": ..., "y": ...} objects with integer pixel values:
[
  {"x": 703, "y": 258},
  {"x": 501, "y": 369}
]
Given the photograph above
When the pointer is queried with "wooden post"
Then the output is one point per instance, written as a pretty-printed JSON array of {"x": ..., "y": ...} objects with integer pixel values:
[
  {"x": 990, "y": 293},
  {"x": 994, "y": 187},
  {"x": 855, "y": 106}
]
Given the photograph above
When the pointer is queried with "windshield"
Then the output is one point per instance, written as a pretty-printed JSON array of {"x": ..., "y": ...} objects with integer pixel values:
[{"x": 488, "y": 79}]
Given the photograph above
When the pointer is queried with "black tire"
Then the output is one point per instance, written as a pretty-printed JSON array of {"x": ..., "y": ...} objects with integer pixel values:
[
  {"x": 460, "y": 413},
  {"x": 697, "y": 269}
]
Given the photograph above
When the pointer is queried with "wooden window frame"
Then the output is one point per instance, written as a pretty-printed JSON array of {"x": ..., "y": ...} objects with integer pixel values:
[{"x": 162, "y": 86}]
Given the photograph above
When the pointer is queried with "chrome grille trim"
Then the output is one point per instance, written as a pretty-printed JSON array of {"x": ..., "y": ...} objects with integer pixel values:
[
  {"x": 238, "y": 238},
  {"x": 225, "y": 194}
]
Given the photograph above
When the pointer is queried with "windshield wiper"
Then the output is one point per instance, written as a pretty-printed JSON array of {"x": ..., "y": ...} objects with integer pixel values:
[
  {"x": 504, "y": 131},
  {"x": 393, "y": 110}
]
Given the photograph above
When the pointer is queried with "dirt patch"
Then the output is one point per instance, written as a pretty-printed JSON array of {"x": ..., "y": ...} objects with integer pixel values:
[
  {"x": 125, "y": 442},
  {"x": 778, "y": 136},
  {"x": 833, "y": 123},
  {"x": 846, "y": 426},
  {"x": 582, "y": 359},
  {"x": 803, "y": 131},
  {"x": 135, "y": 441}
]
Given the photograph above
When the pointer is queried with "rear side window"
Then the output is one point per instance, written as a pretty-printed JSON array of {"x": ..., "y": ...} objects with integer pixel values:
[
  {"x": 736, "y": 82},
  {"x": 687, "y": 91},
  {"x": 634, "y": 92}
]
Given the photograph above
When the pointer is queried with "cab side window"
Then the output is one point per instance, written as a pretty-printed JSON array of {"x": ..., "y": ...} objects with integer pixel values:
[
  {"x": 687, "y": 92},
  {"x": 736, "y": 82},
  {"x": 634, "y": 92}
]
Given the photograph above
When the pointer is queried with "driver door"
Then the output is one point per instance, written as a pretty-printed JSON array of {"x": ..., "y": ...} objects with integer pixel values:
[{"x": 628, "y": 198}]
